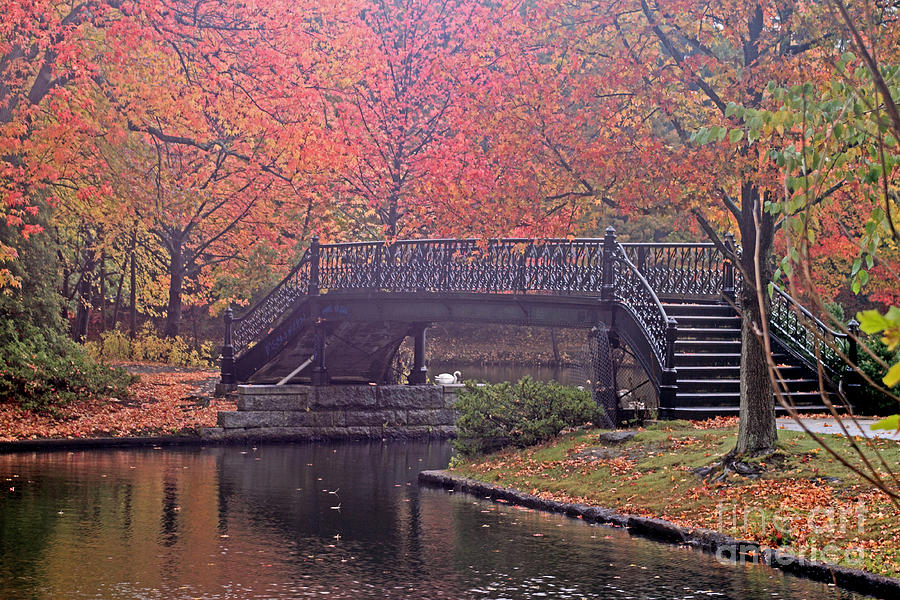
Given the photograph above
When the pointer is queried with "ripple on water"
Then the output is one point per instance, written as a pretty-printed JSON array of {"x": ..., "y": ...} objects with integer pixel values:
[{"x": 319, "y": 521}]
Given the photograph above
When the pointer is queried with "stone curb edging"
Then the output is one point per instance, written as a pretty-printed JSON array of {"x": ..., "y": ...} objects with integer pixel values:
[
  {"x": 218, "y": 435},
  {"x": 101, "y": 442},
  {"x": 723, "y": 546},
  {"x": 213, "y": 436}
]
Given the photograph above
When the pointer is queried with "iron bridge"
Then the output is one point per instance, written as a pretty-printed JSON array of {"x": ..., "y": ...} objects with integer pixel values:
[{"x": 343, "y": 311}]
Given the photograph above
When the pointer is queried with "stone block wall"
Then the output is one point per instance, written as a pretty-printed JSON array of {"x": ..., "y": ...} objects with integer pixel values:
[{"x": 299, "y": 412}]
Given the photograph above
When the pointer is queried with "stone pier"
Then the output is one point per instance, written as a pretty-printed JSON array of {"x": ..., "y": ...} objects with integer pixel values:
[{"x": 300, "y": 412}]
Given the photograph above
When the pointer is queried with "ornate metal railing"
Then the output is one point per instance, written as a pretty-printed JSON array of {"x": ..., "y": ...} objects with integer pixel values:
[
  {"x": 799, "y": 329},
  {"x": 633, "y": 275},
  {"x": 493, "y": 266},
  {"x": 684, "y": 270},
  {"x": 634, "y": 291},
  {"x": 255, "y": 323},
  {"x": 498, "y": 266}
]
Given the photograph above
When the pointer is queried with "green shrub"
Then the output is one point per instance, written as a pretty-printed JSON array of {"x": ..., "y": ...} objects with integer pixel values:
[
  {"x": 869, "y": 401},
  {"x": 149, "y": 347},
  {"x": 41, "y": 369},
  {"x": 518, "y": 414}
]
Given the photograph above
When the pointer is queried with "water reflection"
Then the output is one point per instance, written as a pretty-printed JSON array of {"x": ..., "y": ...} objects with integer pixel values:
[
  {"x": 498, "y": 373},
  {"x": 336, "y": 521}
]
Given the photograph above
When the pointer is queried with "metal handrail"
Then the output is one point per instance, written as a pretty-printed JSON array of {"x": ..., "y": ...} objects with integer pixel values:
[
  {"x": 794, "y": 325},
  {"x": 664, "y": 344},
  {"x": 805, "y": 312},
  {"x": 242, "y": 331}
]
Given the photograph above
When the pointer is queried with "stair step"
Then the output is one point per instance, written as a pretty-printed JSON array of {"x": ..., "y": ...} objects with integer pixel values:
[
  {"x": 707, "y": 358},
  {"x": 690, "y": 386},
  {"x": 709, "y": 371},
  {"x": 724, "y": 358},
  {"x": 706, "y": 412},
  {"x": 718, "y": 372},
  {"x": 708, "y": 385},
  {"x": 707, "y": 345},
  {"x": 733, "y": 398},
  {"x": 677, "y": 310},
  {"x": 707, "y": 333},
  {"x": 732, "y": 322}
]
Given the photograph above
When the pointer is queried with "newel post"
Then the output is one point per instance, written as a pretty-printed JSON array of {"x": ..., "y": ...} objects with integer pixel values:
[
  {"x": 668, "y": 385},
  {"x": 228, "y": 375},
  {"x": 607, "y": 286},
  {"x": 671, "y": 338},
  {"x": 314, "y": 266},
  {"x": 852, "y": 380},
  {"x": 728, "y": 275},
  {"x": 320, "y": 371}
]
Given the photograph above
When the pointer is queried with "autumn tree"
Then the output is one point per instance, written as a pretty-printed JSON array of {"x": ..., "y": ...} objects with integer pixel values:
[
  {"x": 194, "y": 123},
  {"x": 663, "y": 75},
  {"x": 397, "y": 98}
]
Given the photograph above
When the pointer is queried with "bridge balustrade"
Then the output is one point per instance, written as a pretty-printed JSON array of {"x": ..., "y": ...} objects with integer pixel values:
[
  {"x": 815, "y": 341},
  {"x": 688, "y": 270},
  {"x": 464, "y": 266}
]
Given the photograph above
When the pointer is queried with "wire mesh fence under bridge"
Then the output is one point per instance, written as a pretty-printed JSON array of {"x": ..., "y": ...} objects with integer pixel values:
[{"x": 607, "y": 366}]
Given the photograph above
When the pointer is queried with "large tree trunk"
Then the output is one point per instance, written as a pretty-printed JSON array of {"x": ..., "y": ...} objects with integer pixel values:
[
  {"x": 102, "y": 292},
  {"x": 118, "y": 303},
  {"x": 83, "y": 297},
  {"x": 756, "y": 430},
  {"x": 176, "y": 284},
  {"x": 132, "y": 292}
]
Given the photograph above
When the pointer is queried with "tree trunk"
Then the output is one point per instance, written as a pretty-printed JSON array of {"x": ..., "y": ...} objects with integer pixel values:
[
  {"x": 756, "y": 429},
  {"x": 102, "y": 292},
  {"x": 132, "y": 293},
  {"x": 118, "y": 303},
  {"x": 83, "y": 299},
  {"x": 176, "y": 284}
]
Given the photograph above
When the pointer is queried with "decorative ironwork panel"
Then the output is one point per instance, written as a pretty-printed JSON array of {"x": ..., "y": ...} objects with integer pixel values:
[
  {"x": 256, "y": 323},
  {"x": 349, "y": 266},
  {"x": 797, "y": 327},
  {"x": 634, "y": 292},
  {"x": 494, "y": 266},
  {"x": 679, "y": 269}
]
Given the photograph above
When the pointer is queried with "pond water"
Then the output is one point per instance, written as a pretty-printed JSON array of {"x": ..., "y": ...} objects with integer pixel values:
[
  {"x": 498, "y": 373},
  {"x": 318, "y": 521}
]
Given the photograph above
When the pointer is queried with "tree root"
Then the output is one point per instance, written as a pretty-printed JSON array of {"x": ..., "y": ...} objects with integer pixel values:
[{"x": 731, "y": 463}]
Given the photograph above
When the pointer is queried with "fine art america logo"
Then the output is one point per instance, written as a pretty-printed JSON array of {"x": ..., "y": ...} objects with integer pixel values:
[{"x": 788, "y": 527}]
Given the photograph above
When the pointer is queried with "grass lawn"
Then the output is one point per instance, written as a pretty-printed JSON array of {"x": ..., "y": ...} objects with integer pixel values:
[{"x": 803, "y": 501}]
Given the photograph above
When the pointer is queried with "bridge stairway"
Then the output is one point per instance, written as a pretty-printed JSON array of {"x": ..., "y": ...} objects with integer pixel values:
[{"x": 708, "y": 358}]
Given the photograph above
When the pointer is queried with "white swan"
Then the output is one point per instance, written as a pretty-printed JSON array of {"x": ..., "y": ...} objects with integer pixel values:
[{"x": 447, "y": 378}]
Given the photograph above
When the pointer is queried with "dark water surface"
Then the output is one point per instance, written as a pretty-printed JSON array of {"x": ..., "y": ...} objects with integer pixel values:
[
  {"x": 512, "y": 372},
  {"x": 244, "y": 522}
]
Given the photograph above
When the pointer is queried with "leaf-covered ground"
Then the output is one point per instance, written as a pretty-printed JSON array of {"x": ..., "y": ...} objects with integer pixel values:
[
  {"x": 801, "y": 501},
  {"x": 165, "y": 401}
]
